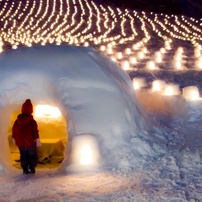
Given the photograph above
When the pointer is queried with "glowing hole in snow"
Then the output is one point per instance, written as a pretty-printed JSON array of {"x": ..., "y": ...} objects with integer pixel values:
[
  {"x": 158, "y": 85},
  {"x": 150, "y": 65},
  {"x": 171, "y": 89},
  {"x": 86, "y": 157},
  {"x": 191, "y": 92},
  {"x": 138, "y": 83},
  {"x": 85, "y": 152},
  {"x": 125, "y": 65}
]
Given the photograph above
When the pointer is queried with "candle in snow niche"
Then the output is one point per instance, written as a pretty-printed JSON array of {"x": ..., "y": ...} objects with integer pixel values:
[
  {"x": 158, "y": 57},
  {"x": 125, "y": 65},
  {"x": 171, "y": 89},
  {"x": 102, "y": 48},
  {"x": 178, "y": 65},
  {"x": 158, "y": 85},
  {"x": 113, "y": 58},
  {"x": 190, "y": 93},
  {"x": 197, "y": 51},
  {"x": 132, "y": 60},
  {"x": 128, "y": 51},
  {"x": 151, "y": 65},
  {"x": 198, "y": 63},
  {"x": 140, "y": 55},
  {"x": 138, "y": 83},
  {"x": 119, "y": 55},
  {"x": 110, "y": 51}
]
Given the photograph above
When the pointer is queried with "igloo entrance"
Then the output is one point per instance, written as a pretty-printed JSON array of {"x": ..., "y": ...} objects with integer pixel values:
[{"x": 53, "y": 135}]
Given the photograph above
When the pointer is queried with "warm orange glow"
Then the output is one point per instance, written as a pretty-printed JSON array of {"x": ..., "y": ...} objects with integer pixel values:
[{"x": 47, "y": 111}]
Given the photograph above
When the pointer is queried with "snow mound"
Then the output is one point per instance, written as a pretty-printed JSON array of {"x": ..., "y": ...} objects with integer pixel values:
[{"x": 95, "y": 96}]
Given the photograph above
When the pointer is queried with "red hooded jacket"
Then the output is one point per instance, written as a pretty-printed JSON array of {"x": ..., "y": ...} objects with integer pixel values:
[{"x": 25, "y": 129}]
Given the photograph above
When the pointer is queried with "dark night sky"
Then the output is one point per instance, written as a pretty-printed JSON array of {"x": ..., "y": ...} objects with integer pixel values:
[{"x": 191, "y": 8}]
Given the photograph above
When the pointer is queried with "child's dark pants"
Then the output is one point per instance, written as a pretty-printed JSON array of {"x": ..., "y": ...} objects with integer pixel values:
[{"x": 28, "y": 157}]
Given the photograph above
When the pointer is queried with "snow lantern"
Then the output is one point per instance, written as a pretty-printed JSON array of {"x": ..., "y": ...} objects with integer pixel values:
[
  {"x": 158, "y": 85},
  {"x": 191, "y": 93},
  {"x": 171, "y": 89},
  {"x": 138, "y": 83}
]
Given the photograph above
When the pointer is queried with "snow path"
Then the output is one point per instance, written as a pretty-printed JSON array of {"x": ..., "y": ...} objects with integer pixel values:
[{"x": 92, "y": 187}]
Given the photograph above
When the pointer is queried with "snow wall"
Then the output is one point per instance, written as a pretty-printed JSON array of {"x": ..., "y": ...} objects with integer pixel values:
[{"x": 94, "y": 94}]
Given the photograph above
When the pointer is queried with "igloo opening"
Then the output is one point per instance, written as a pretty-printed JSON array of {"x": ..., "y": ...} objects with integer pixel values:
[{"x": 53, "y": 135}]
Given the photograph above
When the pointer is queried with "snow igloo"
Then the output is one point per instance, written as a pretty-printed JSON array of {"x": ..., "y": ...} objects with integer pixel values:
[{"x": 94, "y": 95}]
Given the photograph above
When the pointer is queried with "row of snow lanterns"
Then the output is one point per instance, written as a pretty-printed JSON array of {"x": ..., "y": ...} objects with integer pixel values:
[
  {"x": 178, "y": 61},
  {"x": 128, "y": 60},
  {"x": 168, "y": 89}
]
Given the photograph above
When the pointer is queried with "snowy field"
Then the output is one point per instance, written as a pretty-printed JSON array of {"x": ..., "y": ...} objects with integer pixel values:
[{"x": 151, "y": 144}]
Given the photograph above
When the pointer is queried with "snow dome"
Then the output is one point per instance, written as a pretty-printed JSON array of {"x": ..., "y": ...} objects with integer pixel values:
[{"x": 94, "y": 95}]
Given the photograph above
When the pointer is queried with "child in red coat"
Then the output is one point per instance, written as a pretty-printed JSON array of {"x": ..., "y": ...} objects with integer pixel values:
[{"x": 25, "y": 135}]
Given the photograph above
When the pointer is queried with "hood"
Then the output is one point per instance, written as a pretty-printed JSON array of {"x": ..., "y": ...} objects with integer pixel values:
[{"x": 27, "y": 107}]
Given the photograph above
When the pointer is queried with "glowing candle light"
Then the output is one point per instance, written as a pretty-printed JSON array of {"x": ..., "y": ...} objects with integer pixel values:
[
  {"x": 109, "y": 51},
  {"x": 125, "y": 65},
  {"x": 180, "y": 50},
  {"x": 132, "y": 60},
  {"x": 109, "y": 45},
  {"x": 177, "y": 57},
  {"x": 163, "y": 50},
  {"x": 128, "y": 51},
  {"x": 114, "y": 59},
  {"x": 86, "y": 155},
  {"x": 135, "y": 46},
  {"x": 178, "y": 65},
  {"x": 158, "y": 85},
  {"x": 14, "y": 46},
  {"x": 86, "y": 44},
  {"x": 102, "y": 48},
  {"x": 119, "y": 55},
  {"x": 144, "y": 50},
  {"x": 158, "y": 57},
  {"x": 171, "y": 89},
  {"x": 151, "y": 65},
  {"x": 140, "y": 55},
  {"x": 197, "y": 53},
  {"x": 138, "y": 83},
  {"x": 198, "y": 63},
  {"x": 191, "y": 93}
]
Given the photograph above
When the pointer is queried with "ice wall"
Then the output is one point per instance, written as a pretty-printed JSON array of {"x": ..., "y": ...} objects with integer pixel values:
[{"x": 95, "y": 93}]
